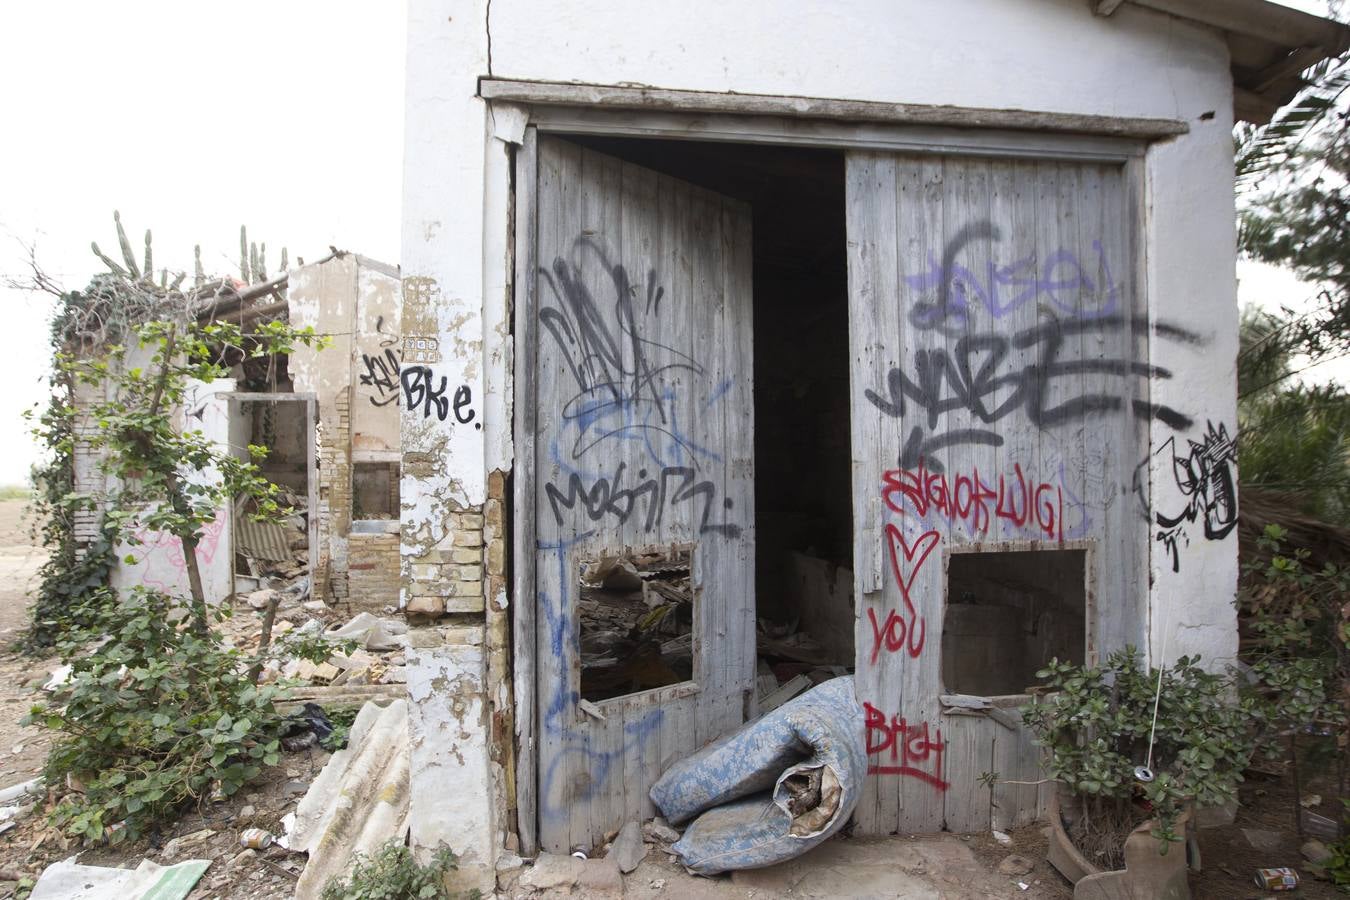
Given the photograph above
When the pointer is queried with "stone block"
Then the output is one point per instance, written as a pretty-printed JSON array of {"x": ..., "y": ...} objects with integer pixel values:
[{"x": 425, "y": 606}]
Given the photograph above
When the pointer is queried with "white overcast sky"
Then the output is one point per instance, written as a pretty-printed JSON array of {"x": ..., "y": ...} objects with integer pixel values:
[{"x": 193, "y": 118}]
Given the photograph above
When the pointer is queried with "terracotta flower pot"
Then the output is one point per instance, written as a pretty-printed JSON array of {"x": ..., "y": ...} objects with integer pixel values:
[{"x": 1148, "y": 874}]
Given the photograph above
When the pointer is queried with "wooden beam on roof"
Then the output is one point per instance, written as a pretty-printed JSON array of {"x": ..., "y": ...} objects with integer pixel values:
[
  {"x": 1250, "y": 106},
  {"x": 548, "y": 93},
  {"x": 1105, "y": 7},
  {"x": 1261, "y": 19},
  {"x": 1292, "y": 65}
]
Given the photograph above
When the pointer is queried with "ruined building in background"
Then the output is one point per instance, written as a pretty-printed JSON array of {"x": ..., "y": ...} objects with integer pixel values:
[{"x": 331, "y": 422}]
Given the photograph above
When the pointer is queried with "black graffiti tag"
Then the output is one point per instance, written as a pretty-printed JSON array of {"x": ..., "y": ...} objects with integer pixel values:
[
  {"x": 382, "y": 374},
  {"x": 1205, "y": 476},
  {"x": 977, "y": 375},
  {"x": 607, "y": 497},
  {"x": 620, "y": 389},
  {"x": 421, "y": 392}
]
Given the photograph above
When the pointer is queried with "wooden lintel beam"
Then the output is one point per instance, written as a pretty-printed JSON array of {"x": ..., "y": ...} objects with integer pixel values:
[
  {"x": 1250, "y": 106},
  {"x": 1293, "y": 64}
]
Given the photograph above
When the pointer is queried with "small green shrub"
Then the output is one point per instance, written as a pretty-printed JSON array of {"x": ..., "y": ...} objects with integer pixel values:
[
  {"x": 391, "y": 873},
  {"x": 1096, "y": 728},
  {"x": 154, "y": 718}
]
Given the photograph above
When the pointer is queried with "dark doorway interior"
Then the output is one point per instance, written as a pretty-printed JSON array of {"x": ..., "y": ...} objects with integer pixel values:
[
  {"x": 1010, "y": 613},
  {"x": 803, "y": 519}
]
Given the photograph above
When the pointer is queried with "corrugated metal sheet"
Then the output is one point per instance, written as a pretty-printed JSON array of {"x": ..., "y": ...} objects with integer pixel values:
[
  {"x": 261, "y": 540},
  {"x": 359, "y": 800}
]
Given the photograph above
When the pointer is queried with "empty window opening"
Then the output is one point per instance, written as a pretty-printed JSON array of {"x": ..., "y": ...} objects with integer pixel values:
[
  {"x": 375, "y": 490},
  {"x": 1010, "y": 613},
  {"x": 636, "y": 617},
  {"x": 803, "y": 477}
]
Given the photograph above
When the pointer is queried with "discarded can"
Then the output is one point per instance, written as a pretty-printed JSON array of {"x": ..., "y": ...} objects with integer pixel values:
[
  {"x": 1281, "y": 879},
  {"x": 1143, "y": 774},
  {"x": 256, "y": 838}
]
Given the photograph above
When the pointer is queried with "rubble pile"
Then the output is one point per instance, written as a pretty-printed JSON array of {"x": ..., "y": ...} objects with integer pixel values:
[
  {"x": 636, "y": 617},
  {"x": 790, "y": 662}
]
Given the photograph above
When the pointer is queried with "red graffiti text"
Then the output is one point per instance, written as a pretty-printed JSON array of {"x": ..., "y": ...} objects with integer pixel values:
[
  {"x": 907, "y": 632},
  {"x": 969, "y": 499},
  {"x": 900, "y": 748}
]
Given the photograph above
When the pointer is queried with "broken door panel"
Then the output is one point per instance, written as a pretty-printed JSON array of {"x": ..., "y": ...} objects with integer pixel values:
[
  {"x": 1000, "y": 376},
  {"x": 643, "y": 443}
]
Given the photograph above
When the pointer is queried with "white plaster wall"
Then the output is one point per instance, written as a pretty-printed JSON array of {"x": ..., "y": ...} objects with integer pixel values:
[
  {"x": 442, "y": 246},
  {"x": 158, "y": 558},
  {"x": 1042, "y": 55},
  {"x": 1010, "y": 54}
]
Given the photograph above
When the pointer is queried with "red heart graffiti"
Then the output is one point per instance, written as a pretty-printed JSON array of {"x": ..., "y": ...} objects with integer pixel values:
[
  {"x": 918, "y": 628},
  {"x": 922, "y": 547}
]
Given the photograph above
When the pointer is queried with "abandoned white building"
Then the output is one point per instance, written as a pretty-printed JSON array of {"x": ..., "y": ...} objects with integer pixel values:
[{"x": 897, "y": 337}]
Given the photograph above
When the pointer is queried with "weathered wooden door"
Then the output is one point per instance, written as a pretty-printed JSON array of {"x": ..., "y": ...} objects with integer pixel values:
[
  {"x": 643, "y": 441},
  {"x": 1000, "y": 400}
]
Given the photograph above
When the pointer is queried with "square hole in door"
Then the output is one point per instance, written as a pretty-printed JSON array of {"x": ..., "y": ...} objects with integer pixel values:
[
  {"x": 636, "y": 618},
  {"x": 1008, "y": 614}
]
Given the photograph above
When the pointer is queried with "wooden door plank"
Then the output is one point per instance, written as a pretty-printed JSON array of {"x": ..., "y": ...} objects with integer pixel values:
[
  {"x": 870, "y": 212},
  {"x": 523, "y": 605}
]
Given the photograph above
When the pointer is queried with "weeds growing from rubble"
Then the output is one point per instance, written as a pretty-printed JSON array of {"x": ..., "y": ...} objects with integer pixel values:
[
  {"x": 159, "y": 713},
  {"x": 391, "y": 873},
  {"x": 154, "y": 719}
]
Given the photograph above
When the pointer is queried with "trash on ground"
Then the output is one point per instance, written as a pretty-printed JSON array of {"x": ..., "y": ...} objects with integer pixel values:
[
  {"x": 773, "y": 789},
  {"x": 68, "y": 880},
  {"x": 256, "y": 838},
  {"x": 358, "y": 801},
  {"x": 1279, "y": 879}
]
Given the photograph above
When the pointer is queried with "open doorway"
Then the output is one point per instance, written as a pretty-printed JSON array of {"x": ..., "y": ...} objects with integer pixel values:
[
  {"x": 803, "y": 516},
  {"x": 276, "y": 554}
]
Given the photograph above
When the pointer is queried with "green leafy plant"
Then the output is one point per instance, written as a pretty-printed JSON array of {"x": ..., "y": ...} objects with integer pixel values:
[
  {"x": 159, "y": 713},
  {"x": 1299, "y": 657},
  {"x": 1300, "y": 670},
  {"x": 1096, "y": 726},
  {"x": 157, "y": 717},
  {"x": 391, "y": 873},
  {"x": 341, "y": 720}
]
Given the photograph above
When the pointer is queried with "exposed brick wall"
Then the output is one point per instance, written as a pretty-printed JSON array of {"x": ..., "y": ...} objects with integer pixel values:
[
  {"x": 449, "y": 578},
  {"x": 372, "y": 571},
  {"x": 335, "y": 494}
]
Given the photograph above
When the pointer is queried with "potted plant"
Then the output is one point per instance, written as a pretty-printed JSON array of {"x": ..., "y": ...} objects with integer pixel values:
[{"x": 1132, "y": 749}]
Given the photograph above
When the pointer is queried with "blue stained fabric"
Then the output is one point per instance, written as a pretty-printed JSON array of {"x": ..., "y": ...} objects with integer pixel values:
[{"x": 737, "y": 783}]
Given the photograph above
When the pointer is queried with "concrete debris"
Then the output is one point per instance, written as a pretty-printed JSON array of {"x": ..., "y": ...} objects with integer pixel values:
[
  {"x": 373, "y": 633},
  {"x": 261, "y": 599},
  {"x": 68, "y": 880},
  {"x": 600, "y": 878},
  {"x": 552, "y": 870},
  {"x": 1315, "y": 851},
  {"x": 358, "y": 801},
  {"x": 628, "y": 850},
  {"x": 1003, "y": 838},
  {"x": 658, "y": 829},
  {"x": 176, "y": 846},
  {"x": 1264, "y": 840},
  {"x": 509, "y": 861}
]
